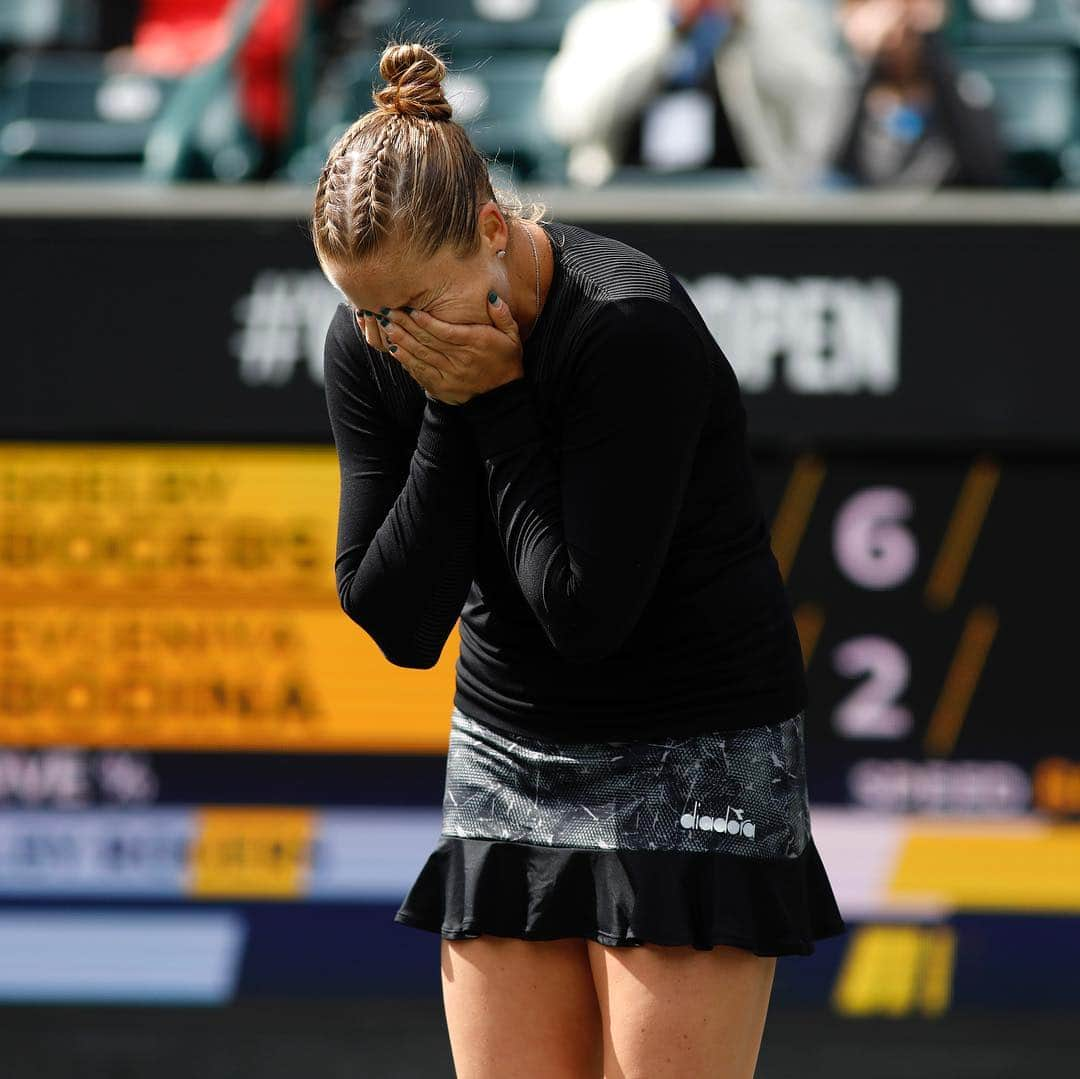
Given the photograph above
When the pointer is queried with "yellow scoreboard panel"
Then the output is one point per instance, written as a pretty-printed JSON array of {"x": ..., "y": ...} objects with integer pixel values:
[{"x": 177, "y": 597}]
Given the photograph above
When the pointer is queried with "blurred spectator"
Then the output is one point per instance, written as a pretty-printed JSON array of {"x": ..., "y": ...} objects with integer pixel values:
[
  {"x": 690, "y": 84},
  {"x": 916, "y": 120},
  {"x": 173, "y": 37}
]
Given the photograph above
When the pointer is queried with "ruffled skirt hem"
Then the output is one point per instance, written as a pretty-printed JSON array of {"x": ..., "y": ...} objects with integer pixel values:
[{"x": 623, "y": 898}]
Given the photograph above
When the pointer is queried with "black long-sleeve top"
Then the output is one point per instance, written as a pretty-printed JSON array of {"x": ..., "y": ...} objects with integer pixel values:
[{"x": 594, "y": 523}]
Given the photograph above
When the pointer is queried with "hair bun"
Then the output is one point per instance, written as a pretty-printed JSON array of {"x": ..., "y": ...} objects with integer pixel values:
[{"x": 414, "y": 76}]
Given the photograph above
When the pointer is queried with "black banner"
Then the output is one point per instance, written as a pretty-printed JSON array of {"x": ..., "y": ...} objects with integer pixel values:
[{"x": 842, "y": 333}]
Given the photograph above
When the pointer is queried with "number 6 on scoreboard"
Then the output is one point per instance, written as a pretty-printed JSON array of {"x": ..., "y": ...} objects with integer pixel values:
[{"x": 871, "y": 543}]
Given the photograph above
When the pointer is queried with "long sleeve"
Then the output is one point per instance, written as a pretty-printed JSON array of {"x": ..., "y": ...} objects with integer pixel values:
[
  {"x": 406, "y": 537},
  {"x": 586, "y": 535}
]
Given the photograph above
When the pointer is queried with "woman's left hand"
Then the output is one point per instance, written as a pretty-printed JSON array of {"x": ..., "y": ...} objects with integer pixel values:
[{"x": 454, "y": 361}]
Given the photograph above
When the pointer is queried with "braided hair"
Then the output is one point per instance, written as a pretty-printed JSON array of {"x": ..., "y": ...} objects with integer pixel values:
[{"x": 404, "y": 173}]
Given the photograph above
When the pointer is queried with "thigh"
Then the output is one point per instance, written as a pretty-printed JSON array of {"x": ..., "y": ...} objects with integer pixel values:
[
  {"x": 680, "y": 1012},
  {"x": 521, "y": 1009}
]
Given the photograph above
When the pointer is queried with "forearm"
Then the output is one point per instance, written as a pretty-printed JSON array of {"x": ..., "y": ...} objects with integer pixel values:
[
  {"x": 408, "y": 588},
  {"x": 524, "y": 495},
  {"x": 586, "y": 530}
]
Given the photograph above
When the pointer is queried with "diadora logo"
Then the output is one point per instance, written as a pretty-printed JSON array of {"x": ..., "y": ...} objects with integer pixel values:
[{"x": 731, "y": 822}]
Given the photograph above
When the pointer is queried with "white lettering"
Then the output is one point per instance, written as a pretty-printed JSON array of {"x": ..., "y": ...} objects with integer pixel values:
[
  {"x": 812, "y": 335},
  {"x": 899, "y": 786},
  {"x": 283, "y": 322}
]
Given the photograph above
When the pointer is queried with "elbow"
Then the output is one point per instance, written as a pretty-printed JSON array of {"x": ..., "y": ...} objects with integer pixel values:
[
  {"x": 412, "y": 659},
  {"x": 400, "y": 653}
]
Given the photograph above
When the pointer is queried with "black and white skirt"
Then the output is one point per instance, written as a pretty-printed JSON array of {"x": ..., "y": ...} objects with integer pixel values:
[{"x": 692, "y": 840}]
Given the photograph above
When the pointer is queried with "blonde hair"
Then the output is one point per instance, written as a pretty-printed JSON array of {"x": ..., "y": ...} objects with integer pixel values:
[{"x": 405, "y": 165}]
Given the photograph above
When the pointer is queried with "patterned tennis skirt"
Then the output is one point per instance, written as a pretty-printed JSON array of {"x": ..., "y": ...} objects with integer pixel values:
[{"x": 692, "y": 840}]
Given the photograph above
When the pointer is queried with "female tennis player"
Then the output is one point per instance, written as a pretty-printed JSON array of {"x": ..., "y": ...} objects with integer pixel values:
[{"x": 538, "y": 434}]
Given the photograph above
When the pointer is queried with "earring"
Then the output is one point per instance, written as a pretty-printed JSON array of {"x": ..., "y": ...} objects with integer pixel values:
[{"x": 501, "y": 254}]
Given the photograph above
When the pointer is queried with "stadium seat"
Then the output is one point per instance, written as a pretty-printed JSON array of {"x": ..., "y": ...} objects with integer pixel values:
[
  {"x": 34, "y": 23},
  {"x": 72, "y": 113},
  {"x": 494, "y": 97},
  {"x": 67, "y": 107},
  {"x": 63, "y": 109},
  {"x": 1015, "y": 22},
  {"x": 202, "y": 132},
  {"x": 503, "y": 24},
  {"x": 1037, "y": 96}
]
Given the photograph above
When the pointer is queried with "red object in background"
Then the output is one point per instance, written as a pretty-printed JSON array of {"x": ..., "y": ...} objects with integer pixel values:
[{"x": 174, "y": 36}]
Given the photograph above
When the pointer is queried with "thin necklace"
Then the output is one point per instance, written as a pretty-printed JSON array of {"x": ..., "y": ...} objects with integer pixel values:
[{"x": 536, "y": 263}]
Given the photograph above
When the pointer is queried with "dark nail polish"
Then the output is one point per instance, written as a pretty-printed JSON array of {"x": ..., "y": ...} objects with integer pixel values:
[
  {"x": 384, "y": 310},
  {"x": 493, "y": 297},
  {"x": 393, "y": 348},
  {"x": 407, "y": 310},
  {"x": 383, "y": 321}
]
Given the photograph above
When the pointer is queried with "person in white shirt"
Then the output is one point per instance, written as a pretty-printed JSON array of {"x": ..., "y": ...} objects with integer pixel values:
[{"x": 688, "y": 84}]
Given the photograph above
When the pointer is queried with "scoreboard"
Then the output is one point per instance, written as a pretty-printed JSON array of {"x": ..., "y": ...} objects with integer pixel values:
[{"x": 935, "y": 611}]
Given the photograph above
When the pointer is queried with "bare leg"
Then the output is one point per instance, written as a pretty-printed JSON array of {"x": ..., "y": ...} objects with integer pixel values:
[
  {"x": 680, "y": 1013},
  {"x": 521, "y": 1009}
]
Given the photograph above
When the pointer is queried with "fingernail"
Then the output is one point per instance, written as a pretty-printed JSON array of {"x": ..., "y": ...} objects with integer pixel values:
[
  {"x": 493, "y": 297},
  {"x": 384, "y": 310},
  {"x": 393, "y": 348},
  {"x": 407, "y": 310},
  {"x": 383, "y": 321},
  {"x": 364, "y": 312}
]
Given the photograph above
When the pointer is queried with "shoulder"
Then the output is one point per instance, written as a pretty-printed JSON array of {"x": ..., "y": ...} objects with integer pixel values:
[
  {"x": 611, "y": 287},
  {"x": 650, "y": 316},
  {"x": 644, "y": 325},
  {"x": 601, "y": 268},
  {"x": 641, "y": 346}
]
